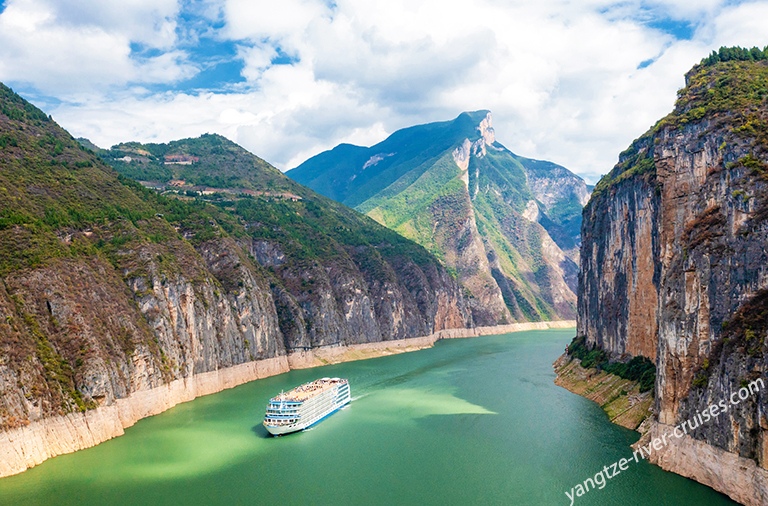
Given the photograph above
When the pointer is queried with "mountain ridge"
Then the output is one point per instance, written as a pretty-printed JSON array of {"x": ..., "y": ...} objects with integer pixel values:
[{"x": 453, "y": 188}]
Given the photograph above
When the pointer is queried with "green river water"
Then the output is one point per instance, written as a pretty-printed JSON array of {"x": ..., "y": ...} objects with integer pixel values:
[{"x": 470, "y": 421}]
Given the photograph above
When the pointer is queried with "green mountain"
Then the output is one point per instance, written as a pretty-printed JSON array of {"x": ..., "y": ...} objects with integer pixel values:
[
  {"x": 109, "y": 287},
  {"x": 507, "y": 225}
]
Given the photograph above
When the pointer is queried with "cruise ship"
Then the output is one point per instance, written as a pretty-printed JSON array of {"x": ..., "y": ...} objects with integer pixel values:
[{"x": 305, "y": 405}]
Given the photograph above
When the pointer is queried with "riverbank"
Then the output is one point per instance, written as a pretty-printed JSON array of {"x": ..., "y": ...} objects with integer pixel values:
[
  {"x": 336, "y": 354},
  {"x": 26, "y": 447},
  {"x": 739, "y": 478},
  {"x": 620, "y": 398}
]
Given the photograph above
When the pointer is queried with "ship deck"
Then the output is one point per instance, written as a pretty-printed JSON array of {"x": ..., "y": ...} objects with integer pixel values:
[{"x": 308, "y": 390}]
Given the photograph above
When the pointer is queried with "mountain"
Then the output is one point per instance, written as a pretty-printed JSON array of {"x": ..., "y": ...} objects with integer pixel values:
[
  {"x": 674, "y": 268},
  {"x": 507, "y": 225},
  {"x": 118, "y": 301}
]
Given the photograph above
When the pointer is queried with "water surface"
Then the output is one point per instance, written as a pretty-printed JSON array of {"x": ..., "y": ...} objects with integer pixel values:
[{"x": 470, "y": 421}]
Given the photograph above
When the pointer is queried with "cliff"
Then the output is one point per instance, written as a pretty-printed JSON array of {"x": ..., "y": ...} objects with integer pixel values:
[
  {"x": 507, "y": 225},
  {"x": 117, "y": 301},
  {"x": 674, "y": 267}
]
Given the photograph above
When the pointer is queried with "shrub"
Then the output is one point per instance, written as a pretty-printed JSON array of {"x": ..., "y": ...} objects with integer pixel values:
[{"x": 639, "y": 369}]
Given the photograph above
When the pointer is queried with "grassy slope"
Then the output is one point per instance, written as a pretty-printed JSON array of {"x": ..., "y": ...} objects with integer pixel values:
[
  {"x": 309, "y": 229},
  {"x": 50, "y": 184},
  {"x": 407, "y": 206},
  {"x": 339, "y": 173},
  {"x": 501, "y": 198}
]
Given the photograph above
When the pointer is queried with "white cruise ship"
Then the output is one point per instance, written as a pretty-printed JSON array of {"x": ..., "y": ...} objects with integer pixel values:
[{"x": 305, "y": 405}]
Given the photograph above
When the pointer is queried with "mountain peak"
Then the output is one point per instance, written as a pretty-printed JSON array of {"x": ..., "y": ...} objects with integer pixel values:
[{"x": 452, "y": 188}]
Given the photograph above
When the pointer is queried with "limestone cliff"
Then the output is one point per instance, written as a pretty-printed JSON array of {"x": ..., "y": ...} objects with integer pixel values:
[{"x": 674, "y": 267}]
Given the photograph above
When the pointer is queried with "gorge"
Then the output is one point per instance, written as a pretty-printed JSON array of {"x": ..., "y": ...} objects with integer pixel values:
[
  {"x": 142, "y": 276},
  {"x": 118, "y": 302}
]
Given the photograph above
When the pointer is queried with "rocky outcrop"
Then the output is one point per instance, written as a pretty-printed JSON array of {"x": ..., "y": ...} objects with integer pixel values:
[
  {"x": 675, "y": 268},
  {"x": 743, "y": 479},
  {"x": 618, "y": 280},
  {"x": 486, "y": 130}
]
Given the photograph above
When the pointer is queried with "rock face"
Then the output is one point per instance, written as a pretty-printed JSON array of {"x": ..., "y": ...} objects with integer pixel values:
[
  {"x": 674, "y": 267},
  {"x": 111, "y": 293},
  {"x": 508, "y": 225}
]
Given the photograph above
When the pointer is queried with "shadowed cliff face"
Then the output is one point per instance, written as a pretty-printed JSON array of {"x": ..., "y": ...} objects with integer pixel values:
[
  {"x": 674, "y": 259},
  {"x": 109, "y": 288},
  {"x": 619, "y": 276}
]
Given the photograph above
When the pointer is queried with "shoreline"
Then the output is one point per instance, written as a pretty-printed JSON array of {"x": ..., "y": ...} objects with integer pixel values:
[
  {"x": 739, "y": 478},
  {"x": 620, "y": 398},
  {"x": 25, "y": 447},
  {"x": 336, "y": 354}
]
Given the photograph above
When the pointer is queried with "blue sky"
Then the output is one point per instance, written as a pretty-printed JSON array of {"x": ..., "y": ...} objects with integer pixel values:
[{"x": 569, "y": 81}]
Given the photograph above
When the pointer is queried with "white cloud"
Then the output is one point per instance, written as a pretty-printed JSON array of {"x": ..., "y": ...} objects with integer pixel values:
[
  {"x": 69, "y": 49},
  {"x": 742, "y": 25},
  {"x": 282, "y": 21},
  {"x": 573, "y": 82},
  {"x": 150, "y": 22},
  {"x": 257, "y": 59}
]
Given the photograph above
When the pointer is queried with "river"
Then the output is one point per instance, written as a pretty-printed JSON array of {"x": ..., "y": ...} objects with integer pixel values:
[{"x": 470, "y": 421}]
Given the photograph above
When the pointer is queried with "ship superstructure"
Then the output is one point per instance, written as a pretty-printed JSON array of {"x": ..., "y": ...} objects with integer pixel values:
[{"x": 305, "y": 405}]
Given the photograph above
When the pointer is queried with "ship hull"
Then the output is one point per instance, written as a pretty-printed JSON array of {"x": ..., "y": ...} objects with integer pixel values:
[{"x": 281, "y": 431}]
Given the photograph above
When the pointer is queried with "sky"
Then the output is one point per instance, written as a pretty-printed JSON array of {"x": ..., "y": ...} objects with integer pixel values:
[{"x": 570, "y": 81}]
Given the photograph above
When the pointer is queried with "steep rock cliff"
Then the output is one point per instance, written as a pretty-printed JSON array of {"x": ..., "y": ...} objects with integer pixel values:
[{"x": 675, "y": 268}]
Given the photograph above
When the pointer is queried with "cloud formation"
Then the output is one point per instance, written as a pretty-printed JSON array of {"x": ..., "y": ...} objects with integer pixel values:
[{"x": 571, "y": 82}]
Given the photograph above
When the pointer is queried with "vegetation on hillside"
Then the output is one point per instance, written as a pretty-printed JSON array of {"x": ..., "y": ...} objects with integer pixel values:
[
  {"x": 638, "y": 369},
  {"x": 397, "y": 161},
  {"x": 411, "y": 183},
  {"x": 308, "y": 226},
  {"x": 50, "y": 183},
  {"x": 209, "y": 160},
  {"x": 637, "y": 160},
  {"x": 60, "y": 206},
  {"x": 502, "y": 196},
  {"x": 729, "y": 87},
  {"x": 736, "y": 54}
]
